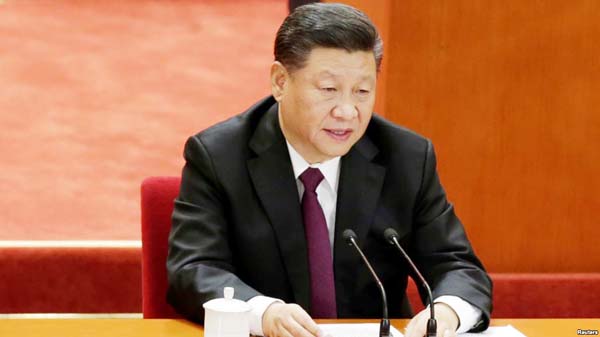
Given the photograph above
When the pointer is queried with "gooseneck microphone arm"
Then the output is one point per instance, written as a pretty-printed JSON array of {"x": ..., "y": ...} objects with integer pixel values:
[
  {"x": 391, "y": 236},
  {"x": 384, "y": 326}
]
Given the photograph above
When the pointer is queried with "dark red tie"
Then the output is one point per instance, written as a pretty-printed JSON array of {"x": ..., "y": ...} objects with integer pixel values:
[{"x": 320, "y": 262}]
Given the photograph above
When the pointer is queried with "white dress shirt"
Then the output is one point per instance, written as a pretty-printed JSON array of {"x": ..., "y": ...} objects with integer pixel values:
[{"x": 468, "y": 315}]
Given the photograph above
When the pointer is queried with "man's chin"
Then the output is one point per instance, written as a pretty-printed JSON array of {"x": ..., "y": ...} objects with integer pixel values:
[{"x": 336, "y": 151}]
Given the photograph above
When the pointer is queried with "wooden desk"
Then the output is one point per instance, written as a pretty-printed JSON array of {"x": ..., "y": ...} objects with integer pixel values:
[{"x": 180, "y": 328}]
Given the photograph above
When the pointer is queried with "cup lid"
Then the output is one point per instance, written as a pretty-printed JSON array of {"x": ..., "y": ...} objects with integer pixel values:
[{"x": 228, "y": 303}]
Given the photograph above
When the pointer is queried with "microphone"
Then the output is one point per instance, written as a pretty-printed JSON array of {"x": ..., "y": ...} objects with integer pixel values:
[
  {"x": 391, "y": 236},
  {"x": 384, "y": 327}
]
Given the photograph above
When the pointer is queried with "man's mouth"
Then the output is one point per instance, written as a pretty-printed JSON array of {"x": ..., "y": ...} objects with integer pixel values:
[{"x": 339, "y": 134}]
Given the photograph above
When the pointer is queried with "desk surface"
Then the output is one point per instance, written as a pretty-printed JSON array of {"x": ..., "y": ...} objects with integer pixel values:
[{"x": 180, "y": 328}]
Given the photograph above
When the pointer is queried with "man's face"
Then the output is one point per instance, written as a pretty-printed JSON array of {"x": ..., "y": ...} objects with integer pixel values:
[{"x": 325, "y": 106}]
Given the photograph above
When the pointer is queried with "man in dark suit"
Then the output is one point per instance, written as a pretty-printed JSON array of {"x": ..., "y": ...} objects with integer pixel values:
[{"x": 266, "y": 195}]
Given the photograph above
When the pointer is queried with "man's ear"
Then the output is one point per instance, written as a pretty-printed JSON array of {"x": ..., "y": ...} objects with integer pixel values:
[{"x": 279, "y": 79}]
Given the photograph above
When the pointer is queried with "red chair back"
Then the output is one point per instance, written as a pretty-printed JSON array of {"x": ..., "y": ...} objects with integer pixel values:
[
  {"x": 158, "y": 194},
  {"x": 546, "y": 295}
]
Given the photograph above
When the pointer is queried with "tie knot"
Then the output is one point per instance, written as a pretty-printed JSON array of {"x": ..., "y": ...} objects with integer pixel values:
[{"x": 311, "y": 178}]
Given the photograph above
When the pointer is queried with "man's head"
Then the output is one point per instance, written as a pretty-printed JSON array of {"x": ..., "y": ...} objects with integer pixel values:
[{"x": 324, "y": 77}]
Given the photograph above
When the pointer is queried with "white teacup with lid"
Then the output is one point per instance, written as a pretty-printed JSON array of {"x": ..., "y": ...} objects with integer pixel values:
[{"x": 226, "y": 317}]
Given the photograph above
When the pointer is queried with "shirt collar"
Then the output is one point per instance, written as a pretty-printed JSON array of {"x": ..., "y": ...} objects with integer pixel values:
[{"x": 329, "y": 168}]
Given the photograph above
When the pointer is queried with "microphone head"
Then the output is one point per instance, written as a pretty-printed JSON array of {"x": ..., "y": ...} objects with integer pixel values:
[
  {"x": 389, "y": 235},
  {"x": 348, "y": 235}
]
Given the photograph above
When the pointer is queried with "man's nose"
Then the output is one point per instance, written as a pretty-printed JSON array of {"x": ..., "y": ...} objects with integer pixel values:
[{"x": 345, "y": 109}]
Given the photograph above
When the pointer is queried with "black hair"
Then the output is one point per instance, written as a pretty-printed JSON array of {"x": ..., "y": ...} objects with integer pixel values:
[{"x": 326, "y": 25}]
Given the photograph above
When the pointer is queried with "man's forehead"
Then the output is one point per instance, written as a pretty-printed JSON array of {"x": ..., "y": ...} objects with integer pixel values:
[
  {"x": 336, "y": 73},
  {"x": 333, "y": 62}
]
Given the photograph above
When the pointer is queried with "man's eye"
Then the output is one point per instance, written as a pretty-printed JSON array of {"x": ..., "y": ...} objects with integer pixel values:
[
  {"x": 329, "y": 89},
  {"x": 363, "y": 92}
]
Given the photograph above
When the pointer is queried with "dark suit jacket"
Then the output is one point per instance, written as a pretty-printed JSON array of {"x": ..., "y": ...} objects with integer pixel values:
[{"x": 237, "y": 221}]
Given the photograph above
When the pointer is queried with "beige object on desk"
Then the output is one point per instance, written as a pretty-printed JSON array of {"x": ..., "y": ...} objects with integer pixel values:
[{"x": 226, "y": 317}]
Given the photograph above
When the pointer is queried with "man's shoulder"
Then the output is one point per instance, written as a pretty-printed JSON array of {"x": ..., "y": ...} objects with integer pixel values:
[
  {"x": 390, "y": 137},
  {"x": 236, "y": 130}
]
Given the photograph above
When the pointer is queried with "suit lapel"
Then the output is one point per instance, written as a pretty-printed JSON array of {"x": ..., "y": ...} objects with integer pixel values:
[
  {"x": 273, "y": 178},
  {"x": 360, "y": 186}
]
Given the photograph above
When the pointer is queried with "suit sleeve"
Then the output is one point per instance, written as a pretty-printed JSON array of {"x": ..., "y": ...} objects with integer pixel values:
[
  {"x": 442, "y": 250},
  {"x": 199, "y": 263}
]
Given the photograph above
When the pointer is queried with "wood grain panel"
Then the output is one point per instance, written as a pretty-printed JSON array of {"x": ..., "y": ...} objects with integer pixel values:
[{"x": 509, "y": 92}]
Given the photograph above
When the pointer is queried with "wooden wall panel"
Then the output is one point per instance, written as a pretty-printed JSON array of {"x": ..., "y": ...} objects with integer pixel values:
[{"x": 509, "y": 92}]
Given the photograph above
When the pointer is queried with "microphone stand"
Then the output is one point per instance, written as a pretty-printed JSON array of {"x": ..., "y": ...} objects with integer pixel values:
[
  {"x": 384, "y": 326},
  {"x": 392, "y": 237}
]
